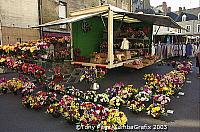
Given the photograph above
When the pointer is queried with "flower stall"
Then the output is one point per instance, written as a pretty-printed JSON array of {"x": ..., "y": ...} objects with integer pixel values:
[{"x": 109, "y": 37}]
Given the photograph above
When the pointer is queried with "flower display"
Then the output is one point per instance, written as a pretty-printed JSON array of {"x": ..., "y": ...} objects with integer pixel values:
[
  {"x": 124, "y": 92},
  {"x": 12, "y": 85},
  {"x": 136, "y": 106},
  {"x": 156, "y": 110},
  {"x": 24, "y": 50},
  {"x": 28, "y": 89},
  {"x": 32, "y": 69},
  {"x": 116, "y": 102},
  {"x": 3, "y": 86},
  {"x": 102, "y": 98},
  {"x": 116, "y": 118},
  {"x": 185, "y": 67},
  {"x": 56, "y": 87},
  {"x": 89, "y": 95},
  {"x": 92, "y": 74},
  {"x": 161, "y": 99}
]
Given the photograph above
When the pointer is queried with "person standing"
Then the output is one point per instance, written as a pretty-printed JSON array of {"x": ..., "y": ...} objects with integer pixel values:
[{"x": 197, "y": 54}]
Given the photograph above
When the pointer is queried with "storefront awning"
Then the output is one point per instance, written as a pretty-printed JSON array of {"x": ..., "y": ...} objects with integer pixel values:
[
  {"x": 155, "y": 19},
  {"x": 118, "y": 14}
]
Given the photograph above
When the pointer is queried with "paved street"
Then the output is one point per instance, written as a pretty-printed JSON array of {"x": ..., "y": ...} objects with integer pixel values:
[{"x": 186, "y": 118}]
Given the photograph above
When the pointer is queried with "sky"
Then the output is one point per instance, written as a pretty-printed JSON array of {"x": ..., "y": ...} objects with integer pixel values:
[{"x": 175, "y": 4}]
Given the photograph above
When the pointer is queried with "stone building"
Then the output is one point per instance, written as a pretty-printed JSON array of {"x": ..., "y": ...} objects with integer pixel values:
[{"x": 16, "y": 18}]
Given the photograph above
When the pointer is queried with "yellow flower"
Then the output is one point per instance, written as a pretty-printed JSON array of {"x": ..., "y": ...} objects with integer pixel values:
[
  {"x": 165, "y": 88},
  {"x": 156, "y": 109},
  {"x": 32, "y": 49},
  {"x": 2, "y": 60}
]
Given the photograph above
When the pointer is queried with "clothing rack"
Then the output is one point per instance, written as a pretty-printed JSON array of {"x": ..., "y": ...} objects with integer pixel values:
[{"x": 165, "y": 51}]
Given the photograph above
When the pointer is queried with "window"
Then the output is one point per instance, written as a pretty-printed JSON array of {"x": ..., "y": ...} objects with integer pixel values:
[
  {"x": 199, "y": 16},
  {"x": 179, "y": 30},
  {"x": 19, "y": 40},
  {"x": 62, "y": 12},
  {"x": 188, "y": 27},
  {"x": 198, "y": 28},
  {"x": 103, "y": 2},
  {"x": 184, "y": 17}
]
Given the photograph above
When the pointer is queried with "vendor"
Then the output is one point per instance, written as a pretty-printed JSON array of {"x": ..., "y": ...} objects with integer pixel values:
[{"x": 125, "y": 44}]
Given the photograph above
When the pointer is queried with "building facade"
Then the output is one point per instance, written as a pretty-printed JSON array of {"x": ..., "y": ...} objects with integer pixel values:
[
  {"x": 16, "y": 18},
  {"x": 189, "y": 19}
]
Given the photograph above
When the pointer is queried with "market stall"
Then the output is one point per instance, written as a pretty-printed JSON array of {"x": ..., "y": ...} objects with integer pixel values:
[{"x": 109, "y": 37}]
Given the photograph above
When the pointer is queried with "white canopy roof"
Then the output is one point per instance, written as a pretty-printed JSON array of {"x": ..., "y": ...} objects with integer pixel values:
[{"x": 118, "y": 14}]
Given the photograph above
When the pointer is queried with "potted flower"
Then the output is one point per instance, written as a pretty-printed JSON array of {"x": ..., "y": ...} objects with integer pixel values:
[
  {"x": 156, "y": 110},
  {"x": 116, "y": 102}
]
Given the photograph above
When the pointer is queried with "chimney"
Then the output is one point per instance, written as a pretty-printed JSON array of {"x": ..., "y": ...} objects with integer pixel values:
[
  {"x": 164, "y": 8},
  {"x": 184, "y": 9},
  {"x": 180, "y": 10},
  {"x": 169, "y": 9}
]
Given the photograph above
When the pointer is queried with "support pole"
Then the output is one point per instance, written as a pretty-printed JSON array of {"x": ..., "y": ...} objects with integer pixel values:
[
  {"x": 71, "y": 45},
  {"x": 110, "y": 38}
]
